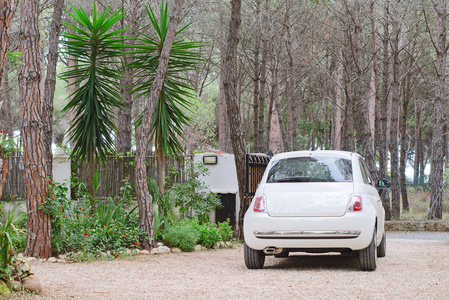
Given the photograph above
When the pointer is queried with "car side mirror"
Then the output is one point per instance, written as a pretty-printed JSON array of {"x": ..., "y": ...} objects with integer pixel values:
[{"x": 383, "y": 184}]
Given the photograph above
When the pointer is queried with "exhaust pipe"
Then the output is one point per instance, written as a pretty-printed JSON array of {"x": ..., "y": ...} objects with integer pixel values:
[{"x": 272, "y": 250}]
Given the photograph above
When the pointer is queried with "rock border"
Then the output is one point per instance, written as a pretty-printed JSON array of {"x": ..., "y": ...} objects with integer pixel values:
[{"x": 417, "y": 226}]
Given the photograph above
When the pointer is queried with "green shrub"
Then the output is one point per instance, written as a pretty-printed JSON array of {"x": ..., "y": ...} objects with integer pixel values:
[
  {"x": 225, "y": 230},
  {"x": 75, "y": 227},
  {"x": 209, "y": 233},
  {"x": 183, "y": 236}
]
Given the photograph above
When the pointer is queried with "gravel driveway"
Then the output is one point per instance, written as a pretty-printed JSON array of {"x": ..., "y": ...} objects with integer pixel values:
[{"x": 411, "y": 270}]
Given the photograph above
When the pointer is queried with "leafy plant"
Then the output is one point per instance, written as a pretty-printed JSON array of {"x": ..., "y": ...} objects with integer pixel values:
[
  {"x": 183, "y": 236},
  {"x": 225, "y": 230},
  {"x": 96, "y": 46},
  {"x": 9, "y": 264},
  {"x": 192, "y": 197}
]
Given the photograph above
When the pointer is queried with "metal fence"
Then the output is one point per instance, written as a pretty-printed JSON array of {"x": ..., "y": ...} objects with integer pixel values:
[
  {"x": 255, "y": 167},
  {"x": 110, "y": 175}
]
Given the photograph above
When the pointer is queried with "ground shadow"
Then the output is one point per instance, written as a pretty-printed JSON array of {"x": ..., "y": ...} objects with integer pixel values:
[{"x": 301, "y": 261}]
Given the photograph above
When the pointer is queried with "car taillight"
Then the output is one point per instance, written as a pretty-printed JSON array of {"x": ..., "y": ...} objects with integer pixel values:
[
  {"x": 260, "y": 205},
  {"x": 355, "y": 203}
]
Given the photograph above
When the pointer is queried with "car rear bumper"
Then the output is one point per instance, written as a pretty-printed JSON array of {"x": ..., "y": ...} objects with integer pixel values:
[{"x": 352, "y": 231}]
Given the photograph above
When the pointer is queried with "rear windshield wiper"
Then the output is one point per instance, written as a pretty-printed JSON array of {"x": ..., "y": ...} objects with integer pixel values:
[{"x": 295, "y": 179}]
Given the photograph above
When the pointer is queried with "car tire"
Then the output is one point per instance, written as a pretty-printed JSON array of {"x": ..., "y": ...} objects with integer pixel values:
[
  {"x": 254, "y": 259},
  {"x": 283, "y": 254},
  {"x": 382, "y": 249},
  {"x": 368, "y": 256}
]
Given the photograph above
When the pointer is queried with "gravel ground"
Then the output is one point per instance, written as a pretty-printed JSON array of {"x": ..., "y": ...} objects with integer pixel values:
[{"x": 411, "y": 270}]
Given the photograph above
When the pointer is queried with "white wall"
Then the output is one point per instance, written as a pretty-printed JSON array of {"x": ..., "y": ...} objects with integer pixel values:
[{"x": 222, "y": 178}]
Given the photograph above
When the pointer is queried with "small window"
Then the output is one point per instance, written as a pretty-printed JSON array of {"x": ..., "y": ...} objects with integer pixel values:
[{"x": 365, "y": 172}]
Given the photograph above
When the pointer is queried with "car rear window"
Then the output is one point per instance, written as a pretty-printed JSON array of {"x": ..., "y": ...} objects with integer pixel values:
[{"x": 311, "y": 169}]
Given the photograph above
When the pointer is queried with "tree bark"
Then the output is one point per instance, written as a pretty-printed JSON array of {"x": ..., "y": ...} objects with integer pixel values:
[
  {"x": 7, "y": 9},
  {"x": 33, "y": 133},
  {"x": 232, "y": 103},
  {"x": 416, "y": 163},
  {"x": 383, "y": 145},
  {"x": 256, "y": 81},
  {"x": 50, "y": 82},
  {"x": 336, "y": 105},
  {"x": 144, "y": 199},
  {"x": 436, "y": 171}
]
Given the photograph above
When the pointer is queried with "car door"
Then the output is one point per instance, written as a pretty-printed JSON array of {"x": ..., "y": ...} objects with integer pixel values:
[{"x": 373, "y": 194}]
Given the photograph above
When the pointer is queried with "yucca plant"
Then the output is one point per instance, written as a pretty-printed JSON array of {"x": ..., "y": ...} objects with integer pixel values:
[
  {"x": 169, "y": 118},
  {"x": 96, "y": 47},
  {"x": 8, "y": 264}
]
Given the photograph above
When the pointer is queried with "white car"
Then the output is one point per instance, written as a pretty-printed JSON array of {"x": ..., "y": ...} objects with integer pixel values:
[{"x": 316, "y": 201}]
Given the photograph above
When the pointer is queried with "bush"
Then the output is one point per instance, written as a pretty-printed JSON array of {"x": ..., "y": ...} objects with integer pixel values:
[
  {"x": 208, "y": 232},
  {"x": 75, "y": 228},
  {"x": 183, "y": 236},
  {"x": 225, "y": 230}
]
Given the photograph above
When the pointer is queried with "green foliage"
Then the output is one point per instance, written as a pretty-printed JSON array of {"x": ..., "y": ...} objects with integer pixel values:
[
  {"x": 111, "y": 227},
  {"x": 209, "y": 234},
  {"x": 96, "y": 47},
  {"x": 225, "y": 230},
  {"x": 169, "y": 118},
  {"x": 184, "y": 236},
  {"x": 9, "y": 236},
  {"x": 192, "y": 197},
  {"x": 7, "y": 144}
]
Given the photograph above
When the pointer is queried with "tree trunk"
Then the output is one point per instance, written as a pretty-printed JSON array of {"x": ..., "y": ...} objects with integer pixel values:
[
  {"x": 33, "y": 133},
  {"x": 383, "y": 146},
  {"x": 6, "y": 123},
  {"x": 4, "y": 172},
  {"x": 7, "y": 9},
  {"x": 336, "y": 105},
  {"x": 436, "y": 171},
  {"x": 256, "y": 81},
  {"x": 395, "y": 97},
  {"x": 224, "y": 136},
  {"x": 50, "y": 82},
  {"x": 232, "y": 103},
  {"x": 417, "y": 144},
  {"x": 144, "y": 199}
]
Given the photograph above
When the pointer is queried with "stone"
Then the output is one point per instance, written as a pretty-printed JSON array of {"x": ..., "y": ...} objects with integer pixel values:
[
  {"x": 61, "y": 261},
  {"x": 62, "y": 256},
  {"x": 4, "y": 290},
  {"x": 222, "y": 245},
  {"x": 154, "y": 251},
  {"x": 159, "y": 244},
  {"x": 229, "y": 245},
  {"x": 51, "y": 260},
  {"x": 20, "y": 255},
  {"x": 176, "y": 250},
  {"x": 128, "y": 252},
  {"x": 103, "y": 254},
  {"x": 31, "y": 259},
  {"x": 203, "y": 248},
  {"x": 32, "y": 284},
  {"x": 15, "y": 286},
  {"x": 136, "y": 251},
  {"x": 163, "y": 249},
  {"x": 197, "y": 248},
  {"x": 25, "y": 265},
  {"x": 108, "y": 253},
  {"x": 145, "y": 252}
]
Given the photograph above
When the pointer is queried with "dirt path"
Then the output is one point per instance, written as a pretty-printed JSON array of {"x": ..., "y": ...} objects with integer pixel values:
[{"x": 411, "y": 270}]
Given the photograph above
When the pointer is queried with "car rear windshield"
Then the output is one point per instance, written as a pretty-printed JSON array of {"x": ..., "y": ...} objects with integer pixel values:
[{"x": 311, "y": 169}]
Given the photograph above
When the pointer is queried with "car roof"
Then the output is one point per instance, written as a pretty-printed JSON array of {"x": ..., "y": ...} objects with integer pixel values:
[{"x": 328, "y": 153}]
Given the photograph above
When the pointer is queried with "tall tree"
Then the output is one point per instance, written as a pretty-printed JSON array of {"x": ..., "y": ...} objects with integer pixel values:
[
  {"x": 96, "y": 47},
  {"x": 50, "y": 81},
  {"x": 33, "y": 133},
  {"x": 7, "y": 9},
  {"x": 436, "y": 171},
  {"x": 143, "y": 132},
  {"x": 233, "y": 105}
]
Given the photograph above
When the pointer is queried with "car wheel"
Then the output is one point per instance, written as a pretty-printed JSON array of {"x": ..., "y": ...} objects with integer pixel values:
[
  {"x": 368, "y": 256},
  {"x": 382, "y": 249},
  {"x": 283, "y": 254},
  {"x": 254, "y": 259}
]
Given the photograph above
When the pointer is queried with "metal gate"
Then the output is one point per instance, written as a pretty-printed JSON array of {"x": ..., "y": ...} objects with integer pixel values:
[{"x": 255, "y": 167}]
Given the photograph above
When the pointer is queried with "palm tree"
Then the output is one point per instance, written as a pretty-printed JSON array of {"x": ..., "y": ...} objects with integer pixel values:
[
  {"x": 96, "y": 47},
  {"x": 169, "y": 117}
]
